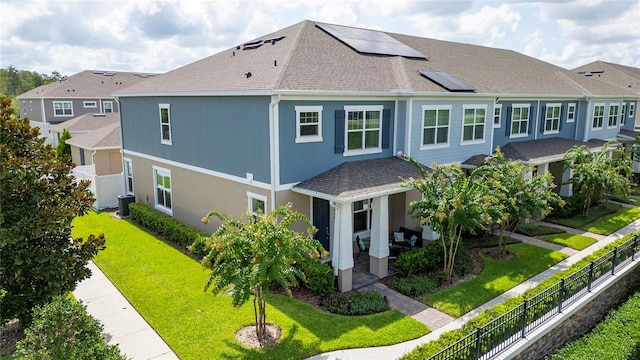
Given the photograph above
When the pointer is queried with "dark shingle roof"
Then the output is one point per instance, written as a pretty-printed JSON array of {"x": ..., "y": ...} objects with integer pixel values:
[
  {"x": 544, "y": 150},
  {"x": 359, "y": 178}
]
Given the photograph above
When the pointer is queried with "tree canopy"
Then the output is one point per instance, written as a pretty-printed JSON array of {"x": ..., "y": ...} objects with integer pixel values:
[
  {"x": 14, "y": 82},
  {"x": 38, "y": 201}
]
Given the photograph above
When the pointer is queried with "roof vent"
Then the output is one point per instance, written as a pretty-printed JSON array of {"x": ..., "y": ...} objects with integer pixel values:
[{"x": 248, "y": 74}]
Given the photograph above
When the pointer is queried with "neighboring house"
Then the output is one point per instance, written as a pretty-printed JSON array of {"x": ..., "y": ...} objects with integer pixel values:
[
  {"x": 87, "y": 92},
  {"x": 314, "y": 114},
  {"x": 96, "y": 151}
]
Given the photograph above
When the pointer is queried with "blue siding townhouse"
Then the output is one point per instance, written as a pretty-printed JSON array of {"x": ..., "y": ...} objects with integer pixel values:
[{"x": 314, "y": 114}]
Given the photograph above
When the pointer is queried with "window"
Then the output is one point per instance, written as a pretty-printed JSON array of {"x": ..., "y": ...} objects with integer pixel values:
[
  {"x": 520, "y": 120},
  {"x": 308, "y": 124},
  {"x": 62, "y": 108},
  {"x": 364, "y": 129},
  {"x": 552, "y": 119},
  {"x": 361, "y": 216},
  {"x": 89, "y": 104},
  {"x": 165, "y": 124},
  {"x": 613, "y": 115},
  {"x": 257, "y": 204},
  {"x": 571, "y": 112},
  {"x": 82, "y": 159},
  {"x": 623, "y": 114},
  {"x": 473, "y": 124},
  {"x": 497, "y": 114},
  {"x": 128, "y": 175},
  {"x": 632, "y": 108},
  {"x": 162, "y": 180},
  {"x": 108, "y": 106},
  {"x": 598, "y": 116},
  {"x": 435, "y": 126}
]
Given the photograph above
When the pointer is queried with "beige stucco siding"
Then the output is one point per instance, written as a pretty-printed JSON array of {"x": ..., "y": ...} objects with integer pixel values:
[
  {"x": 301, "y": 203},
  {"x": 75, "y": 156}
]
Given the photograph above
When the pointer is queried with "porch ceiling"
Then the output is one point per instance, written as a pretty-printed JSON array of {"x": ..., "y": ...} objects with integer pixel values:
[
  {"x": 357, "y": 180},
  {"x": 542, "y": 151}
]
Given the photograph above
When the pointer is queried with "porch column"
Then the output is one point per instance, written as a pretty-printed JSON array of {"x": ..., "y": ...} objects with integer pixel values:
[
  {"x": 566, "y": 187},
  {"x": 379, "y": 248},
  {"x": 343, "y": 240},
  {"x": 543, "y": 169}
]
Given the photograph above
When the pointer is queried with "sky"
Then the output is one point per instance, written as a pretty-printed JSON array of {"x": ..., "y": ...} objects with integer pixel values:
[{"x": 157, "y": 36}]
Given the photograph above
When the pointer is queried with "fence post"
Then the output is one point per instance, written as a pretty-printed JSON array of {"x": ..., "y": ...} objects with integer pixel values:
[
  {"x": 590, "y": 275},
  {"x": 478, "y": 330},
  {"x": 524, "y": 316},
  {"x": 613, "y": 260},
  {"x": 561, "y": 295}
]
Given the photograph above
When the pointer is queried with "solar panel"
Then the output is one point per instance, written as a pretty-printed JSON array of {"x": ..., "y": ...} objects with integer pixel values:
[
  {"x": 447, "y": 81},
  {"x": 370, "y": 41}
]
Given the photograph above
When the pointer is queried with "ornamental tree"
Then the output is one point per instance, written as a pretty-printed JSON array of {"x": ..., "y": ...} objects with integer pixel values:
[
  {"x": 38, "y": 201},
  {"x": 451, "y": 204},
  {"x": 248, "y": 255},
  {"x": 597, "y": 172},
  {"x": 63, "y": 149},
  {"x": 516, "y": 193}
]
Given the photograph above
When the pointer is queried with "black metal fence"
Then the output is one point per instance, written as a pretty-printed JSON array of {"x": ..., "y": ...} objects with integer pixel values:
[{"x": 500, "y": 333}]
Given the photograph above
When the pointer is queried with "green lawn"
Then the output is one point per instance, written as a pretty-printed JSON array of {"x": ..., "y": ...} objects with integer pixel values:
[
  {"x": 596, "y": 212},
  {"x": 611, "y": 223},
  {"x": 497, "y": 277},
  {"x": 573, "y": 241},
  {"x": 166, "y": 287}
]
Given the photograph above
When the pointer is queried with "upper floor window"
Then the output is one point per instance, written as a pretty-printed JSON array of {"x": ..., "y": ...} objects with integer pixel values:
[
  {"x": 552, "y": 119},
  {"x": 257, "y": 204},
  {"x": 632, "y": 108},
  {"x": 613, "y": 115},
  {"x": 571, "y": 112},
  {"x": 165, "y": 124},
  {"x": 89, "y": 104},
  {"x": 623, "y": 114},
  {"x": 128, "y": 175},
  {"x": 497, "y": 114},
  {"x": 473, "y": 124},
  {"x": 308, "y": 124},
  {"x": 520, "y": 120},
  {"x": 162, "y": 182},
  {"x": 62, "y": 108},
  {"x": 435, "y": 125},
  {"x": 108, "y": 106},
  {"x": 598, "y": 116},
  {"x": 364, "y": 129}
]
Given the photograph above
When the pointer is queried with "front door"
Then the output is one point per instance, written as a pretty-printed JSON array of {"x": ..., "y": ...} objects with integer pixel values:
[{"x": 321, "y": 221}]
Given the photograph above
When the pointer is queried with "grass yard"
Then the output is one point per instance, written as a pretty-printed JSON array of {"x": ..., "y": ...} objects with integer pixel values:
[
  {"x": 596, "y": 212},
  {"x": 497, "y": 277},
  {"x": 166, "y": 287},
  {"x": 573, "y": 241},
  {"x": 611, "y": 223}
]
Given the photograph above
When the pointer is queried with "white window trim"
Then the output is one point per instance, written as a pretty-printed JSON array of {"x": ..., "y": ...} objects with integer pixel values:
[
  {"x": 128, "y": 163},
  {"x": 609, "y": 115},
  {"x": 363, "y": 108},
  {"x": 520, "y": 135},
  {"x": 593, "y": 114},
  {"x": 89, "y": 104},
  {"x": 569, "y": 106},
  {"x": 104, "y": 106},
  {"x": 63, "y": 114},
  {"x": 168, "y": 107},
  {"x": 632, "y": 110},
  {"x": 484, "y": 124},
  {"x": 250, "y": 197},
  {"x": 493, "y": 117},
  {"x": 156, "y": 170},
  {"x": 308, "y": 138},
  {"x": 435, "y": 146},
  {"x": 556, "y": 131}
]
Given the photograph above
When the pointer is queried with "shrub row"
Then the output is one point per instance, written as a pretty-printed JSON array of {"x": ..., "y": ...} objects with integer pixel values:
[
  {"x": 537, "y": 230},
  {"x": 319, "y": 276},
  {"x": 358, "y": 303},
  {"x": 415, "y": 286},
  {"x": 165, "y": 225},
  {"x": 420, "y": 260}
]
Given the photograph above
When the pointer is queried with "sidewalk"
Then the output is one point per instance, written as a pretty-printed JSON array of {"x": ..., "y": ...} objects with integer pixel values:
[
  {"x": 397, "y": 350},
  {"x": 122, "y": 323}
]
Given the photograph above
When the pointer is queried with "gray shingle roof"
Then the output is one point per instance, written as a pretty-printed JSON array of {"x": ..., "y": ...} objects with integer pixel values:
[
  {"x": 105, "y": 137},
  {"x": 87, "y": 84},
  {"x": 623, "y": 77},
  {"x": 544, "y": 150},
  {"x": 359, "y": 178},
  {"x": 307, "y": 58},
  {"x": 86, "y": 122}
]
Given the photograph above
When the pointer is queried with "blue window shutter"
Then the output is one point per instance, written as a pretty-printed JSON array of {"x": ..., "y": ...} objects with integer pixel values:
[
  {"x": 530, "y": 120},
  {"x": 507, "y": 122},
  {"x": 386, "y": 128},
  {"x": 543, "y": 118},
  {"x": 560, "y": 120},
  {"x": 339, "y": 146}
]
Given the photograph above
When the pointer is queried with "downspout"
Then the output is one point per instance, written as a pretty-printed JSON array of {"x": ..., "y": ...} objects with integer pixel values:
[
  {"x": 274, "y": 148},
  {"x": 124, "y": 177},
  {"x": 587, "y": 97},
  {"x": 336, "y": 225}
]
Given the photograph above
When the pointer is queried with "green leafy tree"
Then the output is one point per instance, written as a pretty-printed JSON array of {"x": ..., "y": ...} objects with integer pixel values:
[
  {"x": 596, "y": 172},
  {"x": 63, "y": 150},
  {"x": 451, "y": 204},
  {"x": 38, "y": 201},
  {"x": 248, "y": 255},
  {"x": 517, "y": 193}
]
